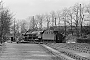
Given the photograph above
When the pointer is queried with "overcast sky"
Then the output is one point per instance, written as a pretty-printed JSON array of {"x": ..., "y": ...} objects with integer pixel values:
[{"x": 25, "y": 8}]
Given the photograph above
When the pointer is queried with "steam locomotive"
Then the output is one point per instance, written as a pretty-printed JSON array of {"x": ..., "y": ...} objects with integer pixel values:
[{"x": 42, "y": 36}]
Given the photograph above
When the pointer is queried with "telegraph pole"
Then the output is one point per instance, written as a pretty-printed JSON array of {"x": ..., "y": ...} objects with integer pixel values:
[
  {"x": 33, "y": 23},
  {"x": 1, "y": 20},
  {"x": 80, "y": 21},
  {"x": 14, "y": 29},
  {"x": 65, "y": 25},
  {"x": 55, "y": 21}
]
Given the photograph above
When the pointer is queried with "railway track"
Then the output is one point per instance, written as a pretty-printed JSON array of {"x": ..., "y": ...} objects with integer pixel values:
[
  {"x": 57, "y": 55},
  {"x": 66, "y": 55}
]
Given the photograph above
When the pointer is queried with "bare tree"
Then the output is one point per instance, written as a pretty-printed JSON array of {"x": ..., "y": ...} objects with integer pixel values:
[
  {"x": 47, "y": 20},
  {"x": 23, "y": 26},
  {"x": 64, "y": 16},
  {"x": 59, "y": 15},
  {"x": 53, "y": 16},
  {"x": 32, "y": 22},
  {"x": 88, "y": 8},
  {"x": 78, "y": 17},
  {"x": 17, "y": 28},
  {"x": 36, "y": 23},
  {"x": 40, "y": 21},
  {"x": 70, "y": 18}
]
